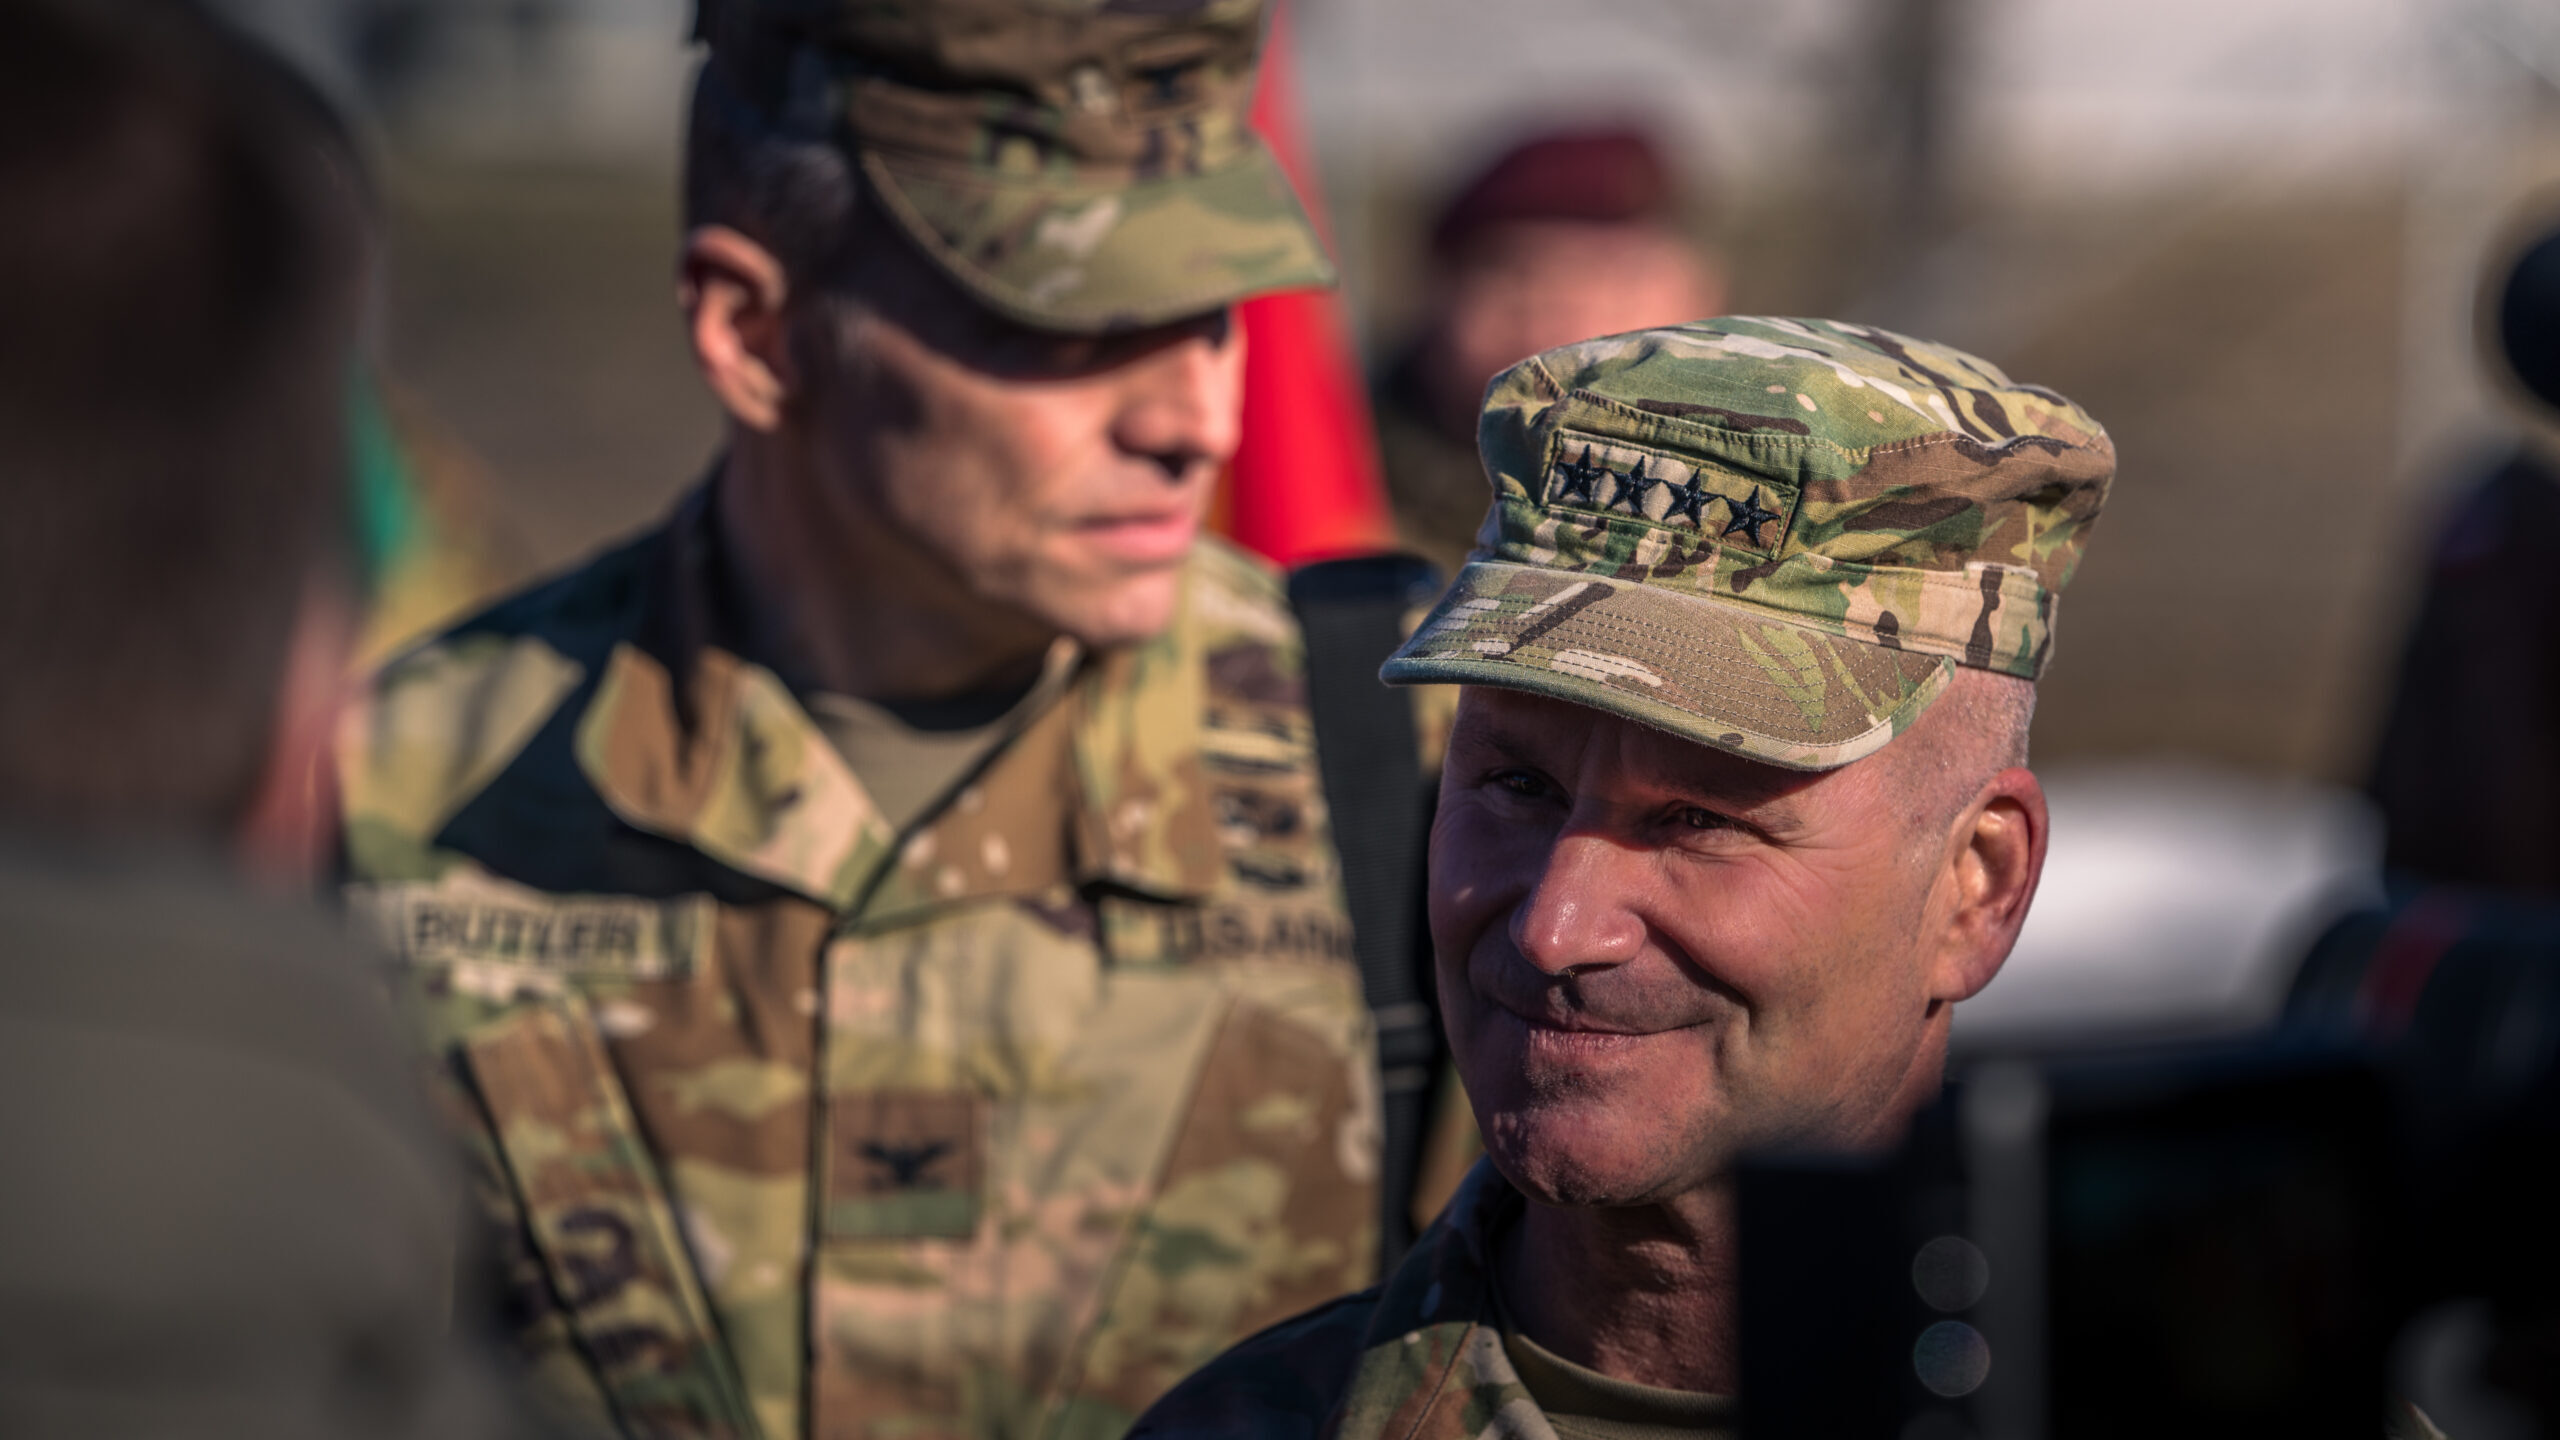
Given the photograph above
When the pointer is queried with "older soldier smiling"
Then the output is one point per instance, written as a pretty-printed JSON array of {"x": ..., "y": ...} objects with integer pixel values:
[
  {"x": 1654, "y": 955},
  {"x": 1734, "y": 813}
]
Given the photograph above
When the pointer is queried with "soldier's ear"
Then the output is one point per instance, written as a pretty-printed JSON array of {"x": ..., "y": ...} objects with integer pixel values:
[
  {"x": 734, "y": 293},
  {"x": 1995, "y": 863}
]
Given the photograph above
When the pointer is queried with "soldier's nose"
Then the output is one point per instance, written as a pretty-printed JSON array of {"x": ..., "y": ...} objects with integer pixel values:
[
  {"x": 1181, "y": 409},
  {"x": 1576, "y": 917}
]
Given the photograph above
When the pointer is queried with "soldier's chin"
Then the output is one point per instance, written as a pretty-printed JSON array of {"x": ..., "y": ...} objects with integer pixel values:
[
  {"x": 1127, "y": 609},
  {"x": 1561, "y": 1155}
]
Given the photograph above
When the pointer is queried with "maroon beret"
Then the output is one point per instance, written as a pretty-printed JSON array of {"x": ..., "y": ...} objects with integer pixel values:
[{"x": 1604, "y": 175}]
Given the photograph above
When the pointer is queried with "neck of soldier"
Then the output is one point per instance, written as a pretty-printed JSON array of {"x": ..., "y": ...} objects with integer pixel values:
[
  {"x": 1649, "y": 1293},
  {"x": 838, "y": 601},
  {"x": 1642, "y": 1293}
]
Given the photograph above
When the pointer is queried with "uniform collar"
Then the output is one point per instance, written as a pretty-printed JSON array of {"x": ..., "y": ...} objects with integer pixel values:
[
  {"x": 691, "y": 738},
  {"x": 1432, "y": 1365}
]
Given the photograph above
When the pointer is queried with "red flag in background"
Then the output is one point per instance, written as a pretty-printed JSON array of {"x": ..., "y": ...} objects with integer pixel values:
[{"x": 1306, "y": 483}]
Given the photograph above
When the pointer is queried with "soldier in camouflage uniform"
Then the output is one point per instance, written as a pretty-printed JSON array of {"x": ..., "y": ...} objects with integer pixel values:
[
  {"x": 1734, "y": 812},
  {"x": 881, "y": 926}
]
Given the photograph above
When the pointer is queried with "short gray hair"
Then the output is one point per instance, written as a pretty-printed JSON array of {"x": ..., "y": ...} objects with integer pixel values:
[{"x": 1982, "y": 729}]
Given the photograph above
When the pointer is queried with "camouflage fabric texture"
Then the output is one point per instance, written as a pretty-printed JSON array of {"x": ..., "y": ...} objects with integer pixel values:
[
  {"x": 1777, "y": 537},
  {"x": 1078, "y": 165},
  {"x": 797, "y": 1126},
  {"x": 1417, "y": 1358}
]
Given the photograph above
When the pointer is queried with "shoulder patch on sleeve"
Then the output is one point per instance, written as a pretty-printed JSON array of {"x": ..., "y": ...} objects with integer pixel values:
[{"x": 434, "y": 729}]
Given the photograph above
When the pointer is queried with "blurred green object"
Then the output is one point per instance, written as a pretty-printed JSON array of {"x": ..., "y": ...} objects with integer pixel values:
[
  {"x": 427, "y": 546},
  {"x": 386, "y": 513}
]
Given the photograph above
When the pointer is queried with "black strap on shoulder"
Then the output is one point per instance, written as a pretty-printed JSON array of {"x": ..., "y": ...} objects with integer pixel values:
[{"x": 1353, "y": 613}]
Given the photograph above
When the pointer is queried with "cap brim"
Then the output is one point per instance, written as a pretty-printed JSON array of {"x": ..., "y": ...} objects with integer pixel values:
[
  {"x": 1722, "y": 673},
  {"x": 1093, "y": 254}
]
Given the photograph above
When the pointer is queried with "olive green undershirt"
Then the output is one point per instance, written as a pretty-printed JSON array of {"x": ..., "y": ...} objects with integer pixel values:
[
  {"x": 909, "y": 755},
  {"x": 1583, "y": 1404}
]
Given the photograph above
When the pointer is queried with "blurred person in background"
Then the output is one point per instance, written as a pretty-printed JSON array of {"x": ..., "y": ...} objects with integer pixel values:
[
  {"x": 227, "y": 1212},
  {"x": 2468, "y": 770},
  {"x": 881, "y": 925},
  {"x": 1566, "y": 235},
  {"x": 2451, "y": 974}
]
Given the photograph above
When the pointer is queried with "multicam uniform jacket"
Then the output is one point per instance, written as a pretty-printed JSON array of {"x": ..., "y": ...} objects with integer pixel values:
[
  {"x": 801, "y": 1127},
  {"x": 1419, "y": 1357},
  {"x": 1416, "y": 1358}
]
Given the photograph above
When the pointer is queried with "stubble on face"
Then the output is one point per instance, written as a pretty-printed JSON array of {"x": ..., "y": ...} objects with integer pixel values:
[{"x": 1654, "y": 956}]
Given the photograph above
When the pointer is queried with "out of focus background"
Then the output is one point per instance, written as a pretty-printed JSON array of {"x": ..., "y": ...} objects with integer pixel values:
[{"x": 2247, "y": 234}]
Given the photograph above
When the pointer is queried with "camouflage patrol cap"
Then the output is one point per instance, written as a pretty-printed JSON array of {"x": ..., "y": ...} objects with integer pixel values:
[
  {"x": 1079, "y": 165},
  {"x": 1776, "y": 537}
]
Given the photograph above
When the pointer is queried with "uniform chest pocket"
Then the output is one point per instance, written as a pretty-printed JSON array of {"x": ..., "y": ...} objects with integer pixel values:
[{"x": 493, "y": 940}]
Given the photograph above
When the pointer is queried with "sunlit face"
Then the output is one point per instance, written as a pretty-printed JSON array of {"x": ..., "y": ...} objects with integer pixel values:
[
  {"x": 1062, "y": 478},
  {"x": 1654, "y": 955}
]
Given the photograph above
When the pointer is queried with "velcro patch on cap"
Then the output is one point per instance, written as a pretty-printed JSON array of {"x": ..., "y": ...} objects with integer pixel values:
[{"x": 1607, "y": 477}]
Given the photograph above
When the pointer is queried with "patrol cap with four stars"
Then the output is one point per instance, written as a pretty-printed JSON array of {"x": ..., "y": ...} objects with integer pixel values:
[
  {"x": 1777, "y": 537},
  {"x": 1078, "y": 165}
]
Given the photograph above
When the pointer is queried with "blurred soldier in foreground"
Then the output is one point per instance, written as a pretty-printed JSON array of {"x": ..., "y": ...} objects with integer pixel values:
[
  {"x": 1567, "y": 234},
  {"x": 226, "y": 1211},
  {"x": 1734, "y": 814},
  {"x": 882, "y": 923}
]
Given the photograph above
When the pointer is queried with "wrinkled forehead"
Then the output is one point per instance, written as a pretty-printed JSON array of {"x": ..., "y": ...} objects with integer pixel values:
[{"x": 1580, "y": 744}]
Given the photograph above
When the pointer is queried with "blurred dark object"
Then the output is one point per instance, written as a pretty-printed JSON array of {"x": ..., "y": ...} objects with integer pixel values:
[
  {"x": 1381, "y": 797},
  {"x": 2192, "y": 1242},
  {"x": 2461, "y": 990},
  {"x": 2219, "y": 1240},
  {"x": 226, "y": 1214},
  {"x": 179, "y": 282},
  {"x": 2468, "y": 769},
  {"x": 1568, "y": 235},
  {"x": 2528, "y": 321}
]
